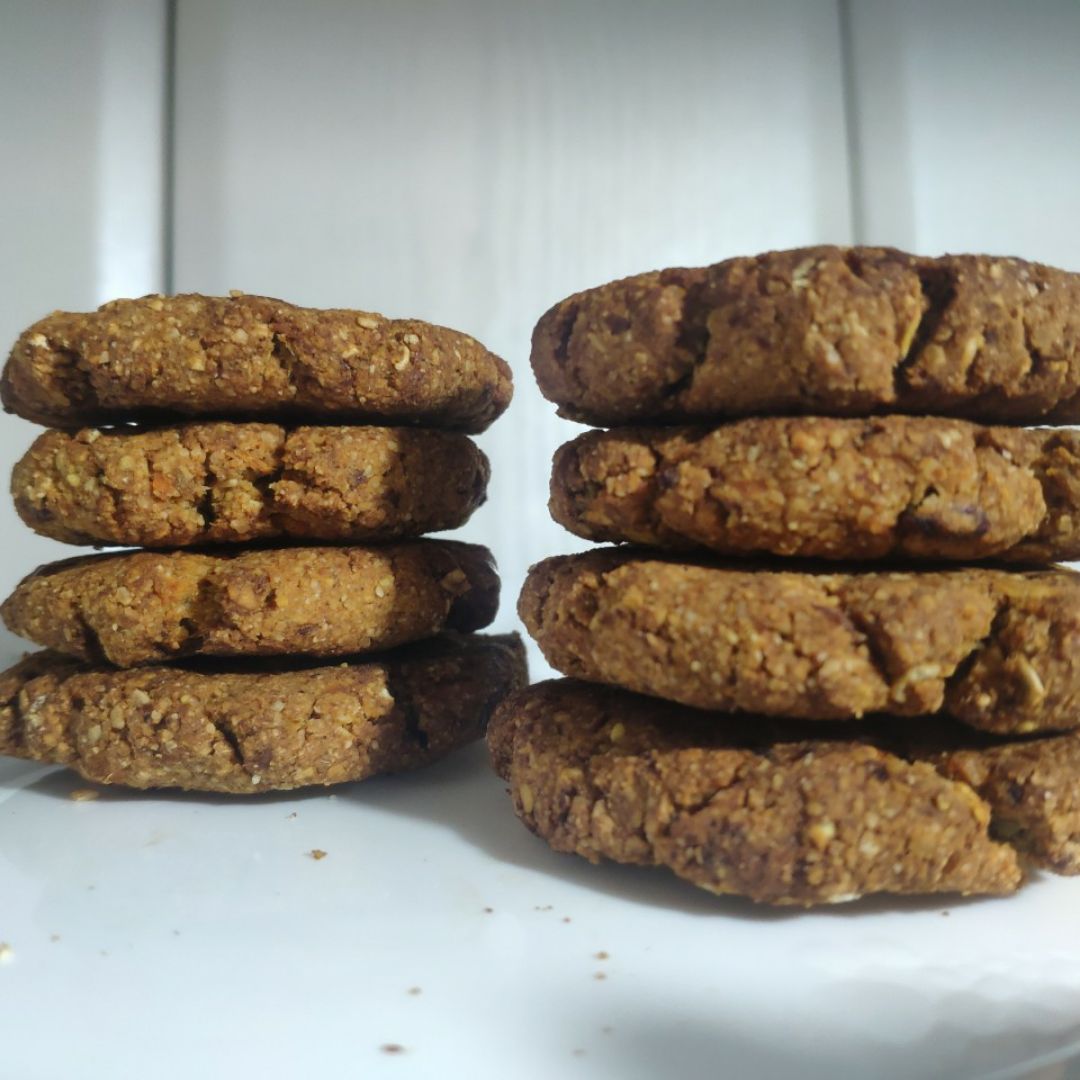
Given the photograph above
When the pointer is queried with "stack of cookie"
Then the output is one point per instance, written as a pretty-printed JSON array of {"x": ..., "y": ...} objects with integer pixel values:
[
  {"x": 897, "y": 719},
  {"x": 239, "y": 668}
]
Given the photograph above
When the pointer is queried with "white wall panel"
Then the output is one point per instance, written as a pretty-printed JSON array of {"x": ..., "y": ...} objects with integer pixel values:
[
  {"x": 81, "y": 128},
  {"x": 968, "y": 124},
  {"x": 472, "y": 162}
]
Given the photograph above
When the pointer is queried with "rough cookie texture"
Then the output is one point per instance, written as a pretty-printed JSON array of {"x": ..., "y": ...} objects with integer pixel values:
[
  {"x": 827, "y": 330},
  {"x": 246, "y": 732},
  {"x": 142, "y": 607},
  {"x": 250, "y": 356},
  {"x": 992, "y": 648},
  {"x": 826, "y": 488},
  {"x": 221, "y": 483},
  {"x": 611, "y": 775},
  {"x": 1033, "y": 788}
]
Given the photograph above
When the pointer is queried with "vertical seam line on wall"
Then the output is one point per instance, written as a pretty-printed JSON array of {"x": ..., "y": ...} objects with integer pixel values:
[
  {"x": 168, "y": 151},
  {"x": 849, "y": 86}
]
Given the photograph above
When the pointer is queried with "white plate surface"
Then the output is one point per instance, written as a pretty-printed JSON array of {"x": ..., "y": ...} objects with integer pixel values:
[{"x": 180, "y": 936}]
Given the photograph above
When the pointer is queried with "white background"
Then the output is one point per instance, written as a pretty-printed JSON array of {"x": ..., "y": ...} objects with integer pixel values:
[{"x": 470, "y": 162}]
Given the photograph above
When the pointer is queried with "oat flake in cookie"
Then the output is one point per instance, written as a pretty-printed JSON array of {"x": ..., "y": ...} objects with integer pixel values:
[
  {"x": 824, "y": 330},
  {"x": 246, "y": 728},
  {"x": 249, "y": 357}
]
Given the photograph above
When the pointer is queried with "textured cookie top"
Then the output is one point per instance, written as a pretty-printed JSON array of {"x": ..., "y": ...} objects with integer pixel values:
[
  {"x": 913, "y": 487},
  {"x": 250, "y": 731},
  {"x": 142, "y": 607},
  {"x": 992, "y": 648},
  {"x": 220, "y": 482},
  {"x": 249, "y": 356},
  {"x": 611, "y": 775},
  {"x": 826, "y": 330}
]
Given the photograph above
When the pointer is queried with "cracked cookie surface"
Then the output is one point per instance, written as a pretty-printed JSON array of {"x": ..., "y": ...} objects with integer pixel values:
[
  {"x": 607, "y": 774},
  {"x": 231, "y": 483},
  {"x": 993, "y": 648},
  {"x": 913, "y": 487},
  {"x": 141, "y": 607},
  {"x": 249, "y": 731},
  {"x": 249, "y": 357},
  {"x": 1032, "y": 787},
  {"x": 825, "y": 330}
]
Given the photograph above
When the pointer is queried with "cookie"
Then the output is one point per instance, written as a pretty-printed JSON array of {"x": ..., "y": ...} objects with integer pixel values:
[
  {"x": 1032, "y": 787},
  {"x": 823, "y": 330},
  {"x": 251, "y": 357},
  {"x": 244, "y": 732},
  {"x": 231, "y": 483},
  {"x": 992, "y": 648},
  {"x": 902, "y": 486},
  {"x": 606, "y": 774},
  {"x": 142, "y": 607}
]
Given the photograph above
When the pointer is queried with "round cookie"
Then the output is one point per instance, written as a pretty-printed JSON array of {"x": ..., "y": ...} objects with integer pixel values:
[
  {"x": 606, "y": 774},
  {"x": 244, "y": 732},
  {"x": 232, "y": 483},
  {"x": 994, "y": 649},
  {"x": 914, "y": 487},
  {"x": 822, "y": 330},
  {"x": 252, "y": 357},
  {"x": 142, "y": 607}
]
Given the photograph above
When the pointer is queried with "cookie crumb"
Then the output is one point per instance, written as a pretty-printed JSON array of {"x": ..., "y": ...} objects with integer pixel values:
[
  {"x": 317, "y": 854},
  {"x": 599, "y": 976},
  {"x": 488, "y": 910},
  {"x": 83, "y": 794},
  {"x": 566, "y": 918},
  {"x": 392, "y": 1048},
  {"x": 600, "y": 955},
  {"x": 413, "y": 991},
  {"x": 7, "y": 953}
]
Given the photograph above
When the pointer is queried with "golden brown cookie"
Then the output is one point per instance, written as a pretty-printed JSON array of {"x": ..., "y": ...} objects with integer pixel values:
[
  {"x": 837, "y": 489},
  {"x": 606, "y": 774},
  {"x": 992, "y": 648},
  {"x": 248, "y": 731},
  {"x": 824, "y": 330},
  {"x": 142, "y": 607},
  {"x": 251, "y": 357},
  {"x": 229, "y": 483}
]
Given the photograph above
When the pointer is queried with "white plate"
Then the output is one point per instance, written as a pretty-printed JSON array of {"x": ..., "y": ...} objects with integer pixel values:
[{"x": 185, "y": 936}]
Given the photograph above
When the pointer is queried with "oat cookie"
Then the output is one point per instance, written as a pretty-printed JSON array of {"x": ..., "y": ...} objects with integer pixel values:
[
  {"x": 607, "y": 774},
  {"x": 252, "y": 357},
  {"x": 228, "y": 483},
  {"x": 837, "y": 489},
  {"x": 824, "y": 330},
  {"x": 993, "y": 648},
  {"x": 245, "y": 731},
  {"x": 141, "y": 607}
]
